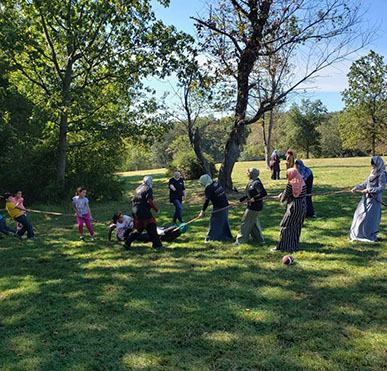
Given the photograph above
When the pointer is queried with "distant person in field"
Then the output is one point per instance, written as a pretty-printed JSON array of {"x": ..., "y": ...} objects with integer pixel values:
[
  {"x": 289, "y": 159},
  {"x": 142, "y": 203},
  {"x": 4, "y": 227},
  {"x": 366, "y": 220},
  {"x": 82, "y": 211},
  {"x": 18, "y": 200},
  {"x": 275, "y": 165},
  {"x": 250, "y": 224},
  {"x": 122, "y": 224},
  {"x": 292, "y": 221},
  {"x": 17, "y": 214},
  {"x": 176, "y": 195},
  {"x": 307, "y": 175},
  {"x": 219, "y": 228}
]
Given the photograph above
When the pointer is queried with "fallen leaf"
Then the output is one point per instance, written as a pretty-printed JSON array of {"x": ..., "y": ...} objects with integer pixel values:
[
  {"x": 55, "y": 333},
  {"x": 247, "y": 310}
]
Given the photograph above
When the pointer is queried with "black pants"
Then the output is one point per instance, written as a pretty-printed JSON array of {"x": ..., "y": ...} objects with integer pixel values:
[
  {"x": 275, "y": 174},
  {"x": 152, "y": 233},
  {"x": 309, "y": 204},
  {"x": 27, "y": 226},
  {"x": 4, "y": 227}
]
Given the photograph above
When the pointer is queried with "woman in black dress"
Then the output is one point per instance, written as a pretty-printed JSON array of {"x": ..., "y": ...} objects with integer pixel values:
[{"x": 292, "y": 221}]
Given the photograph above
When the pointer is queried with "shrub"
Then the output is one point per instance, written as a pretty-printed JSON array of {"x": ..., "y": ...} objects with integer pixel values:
[{"x": 189, "y": 166}]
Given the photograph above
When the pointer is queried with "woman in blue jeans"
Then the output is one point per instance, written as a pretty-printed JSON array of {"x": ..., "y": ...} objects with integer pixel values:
[{"x": 177, "y": 195}]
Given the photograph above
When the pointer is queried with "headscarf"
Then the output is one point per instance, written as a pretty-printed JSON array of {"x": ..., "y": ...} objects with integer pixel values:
[
  {"x": 148, "y": 180},
  {"x": 275, "y": 152},
  {"x": 380, "y": 168},
  {"x": 303, "y": 170},
  {"x": 176, "y": 172},
  {"x": 290, "y": 152},
  {"x": 205, "y": 180},
  {"x": 254, "y": 173},
  {"x": 295, "y": 179}
]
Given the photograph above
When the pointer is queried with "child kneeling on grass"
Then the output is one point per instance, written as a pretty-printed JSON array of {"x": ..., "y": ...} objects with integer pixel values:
[
  {"x": 4, "y": 227},
  {"x": 17, "y": 214}
]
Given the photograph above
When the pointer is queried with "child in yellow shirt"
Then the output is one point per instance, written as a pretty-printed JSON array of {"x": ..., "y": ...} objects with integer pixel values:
[{"x": 17, "y": 214}]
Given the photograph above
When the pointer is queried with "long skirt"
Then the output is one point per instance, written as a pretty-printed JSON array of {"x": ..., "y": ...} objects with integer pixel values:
[
  {"x": 366, "y": 220},
  {"x": 219, "y": 228},
  {"x": 250, "y": 225},
  {"x": 291, "y": 225},
  {"x": 309, "y": 204}
]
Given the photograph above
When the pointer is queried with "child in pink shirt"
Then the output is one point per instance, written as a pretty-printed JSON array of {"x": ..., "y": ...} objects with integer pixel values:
[{"x": 18, "y": 200}]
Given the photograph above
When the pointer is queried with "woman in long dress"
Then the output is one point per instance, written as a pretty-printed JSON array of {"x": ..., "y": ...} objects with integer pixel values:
[
  {"x": 219, "y": 228},
  {"x": 307, "y": 175},
  {"x": 292, "y": 221},
  {"x": 366, "y": 220}
]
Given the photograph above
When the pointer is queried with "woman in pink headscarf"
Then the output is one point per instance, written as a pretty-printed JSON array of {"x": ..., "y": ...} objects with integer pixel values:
[{"x": 291, "y": 224}]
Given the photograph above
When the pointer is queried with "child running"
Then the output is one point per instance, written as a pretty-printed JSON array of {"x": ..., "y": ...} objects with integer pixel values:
[
  {"x": 123, "y": 224},
  {"x": 82, "y": 212},
  {"x": 17, "y": 214}
]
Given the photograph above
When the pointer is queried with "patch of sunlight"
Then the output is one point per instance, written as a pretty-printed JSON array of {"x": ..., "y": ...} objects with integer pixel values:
[
  {"x": 26, "y": 286},
  {"x": 220, "y": 337},
  {"x": 341, "y": 280},
  {"x": 141, "y": 361},
  {"x": 348, "y": 310},
  {"x": 138, "y": 304},
  {"x": 25, "y": 344},
  {"x": 75, "y": 294},
  {"x": 270, "y": 292}
]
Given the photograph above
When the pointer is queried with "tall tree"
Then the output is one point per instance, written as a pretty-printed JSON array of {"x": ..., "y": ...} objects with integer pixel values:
[
  {"x": 363, "y": 123},
  {"x": 303, "y": 124},
  {"x": 238, "y": 35},
  {"x": 85, "y": 61}
]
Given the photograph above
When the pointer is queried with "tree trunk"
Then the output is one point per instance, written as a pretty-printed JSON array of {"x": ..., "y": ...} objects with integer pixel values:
[
  {"x": 307, "y": 153},
  {"x": 63, "y": 128},
  {"x": 267, "y": 141},
  {"x": 373, "y": 144},
  {"x": 232, "y": 151},
  {"x": 199, "y": 154},
  {"x": 62, "y": 149}
]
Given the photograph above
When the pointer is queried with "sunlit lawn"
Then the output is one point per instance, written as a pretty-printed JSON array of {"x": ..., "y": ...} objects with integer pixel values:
[{"x": 68, "y": 305}]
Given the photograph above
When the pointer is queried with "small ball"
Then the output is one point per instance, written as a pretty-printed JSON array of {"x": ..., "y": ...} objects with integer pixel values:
[{"x": 288, "y": 260}]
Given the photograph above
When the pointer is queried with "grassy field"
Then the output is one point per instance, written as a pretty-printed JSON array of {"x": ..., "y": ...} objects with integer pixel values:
[{"x": 68, "y": 305}]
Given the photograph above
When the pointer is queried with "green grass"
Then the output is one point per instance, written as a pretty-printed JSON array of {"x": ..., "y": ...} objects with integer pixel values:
[{"x": 67, "y": 305}]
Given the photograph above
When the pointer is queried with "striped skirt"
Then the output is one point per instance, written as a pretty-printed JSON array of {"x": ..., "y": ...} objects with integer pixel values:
[{"x": 291, "y": 224}]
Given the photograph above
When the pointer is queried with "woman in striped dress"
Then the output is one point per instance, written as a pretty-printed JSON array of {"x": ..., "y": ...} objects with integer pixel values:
[{"x": 291, "y": 224}]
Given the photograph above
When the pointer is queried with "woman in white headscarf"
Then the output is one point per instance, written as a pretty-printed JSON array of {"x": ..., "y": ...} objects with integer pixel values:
[
  {"x": 142, "y": 203},
  {"x": 219, "y": 228},
  {"x": 366, "y": 220},
  {"x": 250, "y": 224}
]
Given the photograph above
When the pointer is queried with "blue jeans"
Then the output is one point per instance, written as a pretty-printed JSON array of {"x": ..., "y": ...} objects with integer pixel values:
[
  {"x": 4, "y": 227},
  {"x": 178, "y": 211},
  {"x": 22, "y": 219}
]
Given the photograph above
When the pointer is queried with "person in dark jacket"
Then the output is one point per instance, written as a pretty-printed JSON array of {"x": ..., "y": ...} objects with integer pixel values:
[
  {"x": 219, "y": 228},
  {"x": 142, "y": 203},
  {"x": 176, "y": 195},
  {"x": 275, "y": 165},
  {"x": 250, "y": 222}
]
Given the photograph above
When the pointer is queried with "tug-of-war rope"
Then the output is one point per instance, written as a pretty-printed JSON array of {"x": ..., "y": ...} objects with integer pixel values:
[{"x": 213, "y": 212}]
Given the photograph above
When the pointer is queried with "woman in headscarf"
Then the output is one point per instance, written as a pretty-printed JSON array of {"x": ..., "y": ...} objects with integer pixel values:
[
  {"x": 219, "y": 228},
  {"x": 250, "y": 224},
  {"x": 366, "y": 220},
  {"x": 291, "y": 224},
  {"x": 289, "y": 159},
  {"x": 275, "y": 165},
  {"x": 142, "y": 203},
  {"x": 307, "y": 175}
]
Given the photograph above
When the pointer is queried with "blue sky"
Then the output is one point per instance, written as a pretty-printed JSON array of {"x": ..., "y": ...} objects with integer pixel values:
[{"x": 327, "y": 86}]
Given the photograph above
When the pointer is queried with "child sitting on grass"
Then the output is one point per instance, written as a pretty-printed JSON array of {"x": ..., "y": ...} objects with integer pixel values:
[
  {"x": 17, "y": 214},
  {"x": 4, "y": 227}
]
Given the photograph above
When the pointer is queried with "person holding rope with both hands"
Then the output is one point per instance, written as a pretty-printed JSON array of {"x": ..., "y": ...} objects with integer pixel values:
[
  {"x": 219, "y": 228},
  {"x": 366, "y": 220},
  {"x": 250, "y": 222}
]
